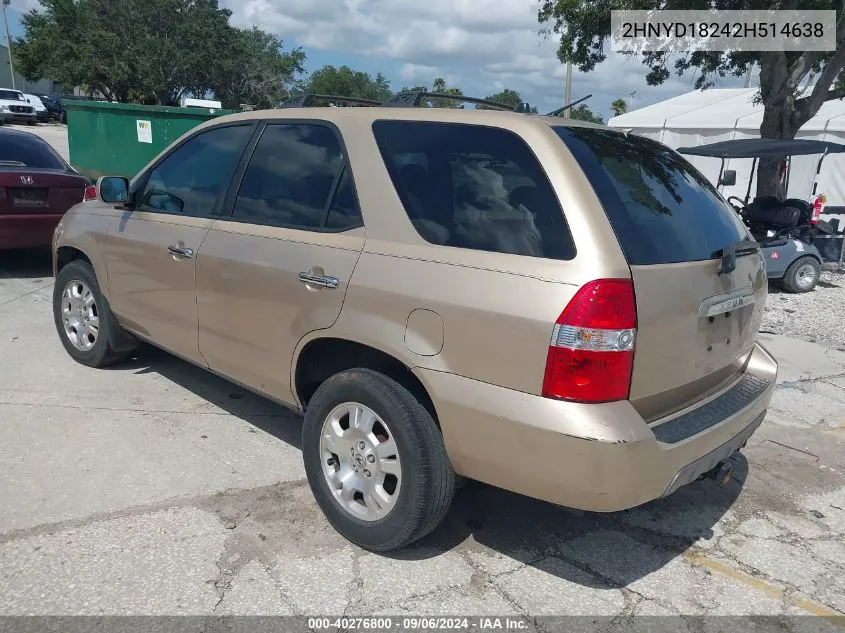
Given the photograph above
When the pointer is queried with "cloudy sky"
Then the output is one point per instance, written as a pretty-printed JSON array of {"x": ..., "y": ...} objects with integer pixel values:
[{"x": 480, "y": 46}]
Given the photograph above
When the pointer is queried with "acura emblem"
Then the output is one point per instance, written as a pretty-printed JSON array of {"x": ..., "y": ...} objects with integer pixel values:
[{"x": 27, "y": 180}]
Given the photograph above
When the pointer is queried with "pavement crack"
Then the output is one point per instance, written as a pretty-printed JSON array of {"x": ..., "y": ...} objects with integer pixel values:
[
  {"x": 26, "y": 294},
  {"x": 209, "y": 502},
  {"x": 282, "y": 414},
  {"x": 355, "y": 587}
]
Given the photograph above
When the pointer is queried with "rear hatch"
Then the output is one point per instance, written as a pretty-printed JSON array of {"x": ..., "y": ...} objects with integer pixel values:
[{"x": 697, "y": 321}]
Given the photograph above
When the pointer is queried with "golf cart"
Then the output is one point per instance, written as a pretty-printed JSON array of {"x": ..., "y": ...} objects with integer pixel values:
[{"x": 789, "y": 231}]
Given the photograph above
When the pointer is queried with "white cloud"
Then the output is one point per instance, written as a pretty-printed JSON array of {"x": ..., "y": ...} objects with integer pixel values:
[
  {"x": 417, "y": 72},
  {"x": 479, "y": 45}
]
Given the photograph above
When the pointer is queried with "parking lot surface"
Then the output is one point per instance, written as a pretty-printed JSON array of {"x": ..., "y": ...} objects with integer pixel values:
[{"x": 156, "y": 488}]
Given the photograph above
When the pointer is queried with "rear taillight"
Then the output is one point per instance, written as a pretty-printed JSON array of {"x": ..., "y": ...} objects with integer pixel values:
[
  {"x": 90, "y": 193},
  {"x": 591, "y": 354},
  {"x": 818, "y": 205}
]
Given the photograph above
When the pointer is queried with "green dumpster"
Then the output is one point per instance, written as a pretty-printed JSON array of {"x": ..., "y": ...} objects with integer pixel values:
[{"x": 119, "y": 139}]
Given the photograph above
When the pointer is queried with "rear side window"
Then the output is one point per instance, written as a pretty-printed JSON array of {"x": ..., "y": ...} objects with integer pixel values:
[
  {"x": 17, "y": 150},
  {"x": 291, "y": 178},
  {"x": 661, "y": 208},
  {"x": 476, "y": 187}
]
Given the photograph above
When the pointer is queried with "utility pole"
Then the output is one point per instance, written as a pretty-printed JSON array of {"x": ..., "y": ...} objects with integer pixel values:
[
  {"x": 6, "y": 3},
  {"x": 567, "y": 97}
]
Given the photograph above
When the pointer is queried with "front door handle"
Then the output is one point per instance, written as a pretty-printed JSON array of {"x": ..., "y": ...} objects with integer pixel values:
[
  {"x": 180, "y": 252},
  {"x": 321, "y": 281}
]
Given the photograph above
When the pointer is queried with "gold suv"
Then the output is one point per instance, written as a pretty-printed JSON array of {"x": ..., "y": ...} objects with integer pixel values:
[{"x": 549, "y": 306}]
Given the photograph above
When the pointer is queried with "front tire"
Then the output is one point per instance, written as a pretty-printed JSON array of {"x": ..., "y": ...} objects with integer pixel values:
[
  {"x": 802, "y": 275},
  {"x": 87, "y": 329},
  {"x": 375, "y": 460}
]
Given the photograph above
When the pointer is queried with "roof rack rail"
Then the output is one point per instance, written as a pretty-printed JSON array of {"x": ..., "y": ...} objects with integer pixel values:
[
  {"x": 560, "y": 111},
  {"x": 307, "y": 99},
  {"x": 415, "y": 98},
  {"x": 408, "y": 99}
]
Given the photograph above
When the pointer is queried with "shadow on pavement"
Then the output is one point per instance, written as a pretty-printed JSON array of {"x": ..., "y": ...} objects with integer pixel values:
[
  {"x": 599, "y": 550},
  {"x": 268, "y": 416},
  {"x": 614, "y": 549},
  {"x": 26, "y": 264}
]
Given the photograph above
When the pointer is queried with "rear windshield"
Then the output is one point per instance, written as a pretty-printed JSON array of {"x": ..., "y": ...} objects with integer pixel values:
[
  {"x": 474, "y": 187},
  {"x": 661, "y": 208},
  {"x": 16, "y": 150}
]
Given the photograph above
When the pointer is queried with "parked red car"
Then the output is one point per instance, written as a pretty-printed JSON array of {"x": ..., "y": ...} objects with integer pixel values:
[{"x": 37, "y": 186}]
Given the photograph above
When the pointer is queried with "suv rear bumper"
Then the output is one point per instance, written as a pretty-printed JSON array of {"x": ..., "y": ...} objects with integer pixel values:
[{"x": 599, "y": 457}]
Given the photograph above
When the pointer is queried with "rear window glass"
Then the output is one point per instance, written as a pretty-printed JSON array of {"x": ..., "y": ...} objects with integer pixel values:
[
  {"x": 661, "y": 208},
  {"x": 17, "y": 150},
  {"x": 476, "y": 187}
]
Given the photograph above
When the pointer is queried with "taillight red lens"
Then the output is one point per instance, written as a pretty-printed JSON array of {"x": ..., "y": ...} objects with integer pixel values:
[
  {"x": 591, "y": 355},
  {"x": 90, "y": 193}
]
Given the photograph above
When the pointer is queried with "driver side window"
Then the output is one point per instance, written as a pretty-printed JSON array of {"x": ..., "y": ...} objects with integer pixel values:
[{"x": 190, "y": 180}]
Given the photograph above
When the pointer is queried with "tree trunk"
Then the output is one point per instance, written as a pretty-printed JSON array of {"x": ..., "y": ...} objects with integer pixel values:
[
  {"x": 776, "y": 117},
  {"x": 777, "y": 113}
]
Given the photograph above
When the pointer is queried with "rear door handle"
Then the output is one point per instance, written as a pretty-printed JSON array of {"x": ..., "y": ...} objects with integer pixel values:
[
  {"x": 180, "y": 252},
  {"x": 322, "y": 281}
]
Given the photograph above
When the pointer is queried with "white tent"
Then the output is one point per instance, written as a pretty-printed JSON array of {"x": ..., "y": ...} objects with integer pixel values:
[{"x": 723, "y": 114}]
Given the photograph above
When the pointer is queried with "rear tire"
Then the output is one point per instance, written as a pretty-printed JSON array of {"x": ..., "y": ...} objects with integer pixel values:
[
  {"x": 802, "y": 275},
  {"x": 426, "y": 483},
  {"x": 78, "y": 305}
]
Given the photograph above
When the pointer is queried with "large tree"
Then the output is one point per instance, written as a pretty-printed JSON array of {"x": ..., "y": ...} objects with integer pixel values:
[
  {"x": 150, "y": 51},
  {"x": 584, "y": 29},
  {"x": 256, "y": 71},
  {"x": 345, "y": 82}
]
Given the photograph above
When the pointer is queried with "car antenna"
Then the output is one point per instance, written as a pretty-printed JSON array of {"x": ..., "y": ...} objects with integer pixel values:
[{"x": 560, "y": 111}]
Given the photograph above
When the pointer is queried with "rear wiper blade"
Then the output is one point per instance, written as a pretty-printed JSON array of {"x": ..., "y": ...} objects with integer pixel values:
[
  {"x": 12, "y": 163},
  {"x": 729, "y": 253}
]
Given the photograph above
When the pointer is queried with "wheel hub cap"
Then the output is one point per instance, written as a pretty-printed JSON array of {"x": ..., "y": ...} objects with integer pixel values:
[
  {"x": 360, "y": 461},
  {"x": 80, "y": 315},
  {"x": 805, "y": 276}
]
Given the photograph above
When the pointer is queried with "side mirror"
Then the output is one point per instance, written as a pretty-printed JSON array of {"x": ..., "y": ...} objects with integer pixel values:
[
  {"x": 113, "y": 189},
  {"x": 728, "y": 177}
]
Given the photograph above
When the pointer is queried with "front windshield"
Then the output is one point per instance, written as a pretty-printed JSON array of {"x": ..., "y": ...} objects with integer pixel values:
[{"x": 11, "y": 95}]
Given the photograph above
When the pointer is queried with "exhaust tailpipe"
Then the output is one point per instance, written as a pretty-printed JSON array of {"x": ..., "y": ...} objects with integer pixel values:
[{"x": 721, "y": 474}]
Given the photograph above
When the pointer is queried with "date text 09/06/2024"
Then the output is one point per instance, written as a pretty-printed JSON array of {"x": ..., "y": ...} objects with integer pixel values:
[{"x": 412, "y": 623}]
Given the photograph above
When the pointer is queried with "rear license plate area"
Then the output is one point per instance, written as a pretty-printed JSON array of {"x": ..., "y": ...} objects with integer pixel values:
[{"x": 31, "y": 197}]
